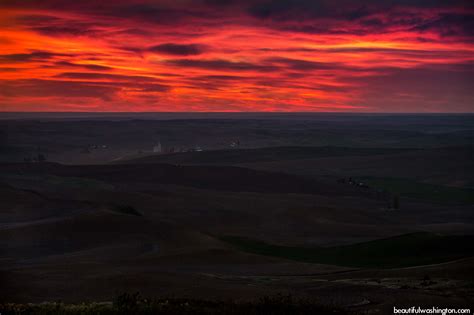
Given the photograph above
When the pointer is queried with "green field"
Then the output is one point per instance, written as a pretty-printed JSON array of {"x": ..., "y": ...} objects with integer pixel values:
[
  {"x": 413, "y": 189},
  {"x": 407, "y": 250}
]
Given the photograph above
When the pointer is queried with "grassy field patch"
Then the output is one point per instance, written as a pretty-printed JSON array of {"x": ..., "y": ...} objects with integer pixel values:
[
  {"x": 402, "y": 251},
  {"x": 414, "y": 189}
]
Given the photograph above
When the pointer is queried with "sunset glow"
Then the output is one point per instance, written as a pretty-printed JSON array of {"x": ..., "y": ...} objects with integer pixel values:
[{"x": 358, "y": 56}]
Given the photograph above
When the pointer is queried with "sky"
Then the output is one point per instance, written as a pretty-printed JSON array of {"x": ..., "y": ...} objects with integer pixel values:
[{"x": 245, "y": 55}]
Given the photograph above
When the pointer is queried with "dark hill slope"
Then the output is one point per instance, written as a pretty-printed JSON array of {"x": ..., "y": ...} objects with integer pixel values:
[
  {"x": 227, "y": 178},
  {"x": 268, "y": 154}
]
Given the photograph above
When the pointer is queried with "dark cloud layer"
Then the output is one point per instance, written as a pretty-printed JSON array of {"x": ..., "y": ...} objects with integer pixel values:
[
  {"x": 302, "y": 65},
  {"x": 82, "y": 66},
  {"x": 178, "y": 49},
  {"x": 445, "y": 18},
  {"x": 105, "y": 76},
  {"x": 219, "y": 64},
  {"x": 55, "y": 88},
  {"x": 25, "y": 57},
  {"x": 449, "y": 24}
]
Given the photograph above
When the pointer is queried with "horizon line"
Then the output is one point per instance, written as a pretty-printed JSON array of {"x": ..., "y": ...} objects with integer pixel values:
[{"x": 229, "y": 112}]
